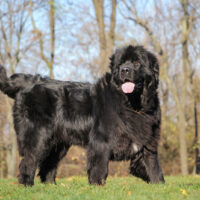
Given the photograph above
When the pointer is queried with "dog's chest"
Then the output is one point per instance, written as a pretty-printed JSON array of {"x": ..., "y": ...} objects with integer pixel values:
[{"x": 124, "y": 148}]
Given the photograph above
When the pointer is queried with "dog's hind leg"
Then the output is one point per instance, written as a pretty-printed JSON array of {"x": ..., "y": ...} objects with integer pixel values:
[
  {"x": 31, "y": 152},
  {"x": 33, "y": 143},
  {"x": 48, "y": 166}
]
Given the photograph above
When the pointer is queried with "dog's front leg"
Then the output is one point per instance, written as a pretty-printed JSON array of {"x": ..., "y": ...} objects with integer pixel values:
[
  {"x": 97, "y": 166},
  {"x": 153, "y": 168},
  {"x": 27, "y": 170},
  {"x": 146, "y": 166}
]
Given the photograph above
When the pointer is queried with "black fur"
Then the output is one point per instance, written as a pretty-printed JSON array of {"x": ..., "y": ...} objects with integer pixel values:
[{"x": 50, "y": 116}]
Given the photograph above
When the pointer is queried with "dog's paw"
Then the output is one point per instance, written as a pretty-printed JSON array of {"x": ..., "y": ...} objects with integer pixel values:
[
  {"x": 25, "y": 180},
  {"x": 97, "y": 181}
]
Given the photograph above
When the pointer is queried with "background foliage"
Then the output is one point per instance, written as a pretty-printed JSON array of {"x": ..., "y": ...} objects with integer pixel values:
[{"x": 72, "y": 40}]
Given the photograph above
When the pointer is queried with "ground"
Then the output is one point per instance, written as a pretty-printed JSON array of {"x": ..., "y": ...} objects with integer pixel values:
[{"x": 176, "y": 188}]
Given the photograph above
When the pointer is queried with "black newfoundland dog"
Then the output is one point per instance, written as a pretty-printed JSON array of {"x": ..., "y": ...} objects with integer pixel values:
[{"x": 118, "y": 118}]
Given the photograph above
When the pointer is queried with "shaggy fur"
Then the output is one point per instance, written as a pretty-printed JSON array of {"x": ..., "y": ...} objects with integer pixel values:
[{"x": 50, "y": 116}]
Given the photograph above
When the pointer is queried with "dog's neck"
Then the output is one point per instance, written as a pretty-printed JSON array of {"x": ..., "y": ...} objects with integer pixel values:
[
  {"x": 149, "y": 101},
  {"x": 142, "y": 103},
  {"x": 135, "y": 101}
]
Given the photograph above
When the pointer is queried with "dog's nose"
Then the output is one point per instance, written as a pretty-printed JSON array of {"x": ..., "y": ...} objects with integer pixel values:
[{"x": 125, "y": 70}]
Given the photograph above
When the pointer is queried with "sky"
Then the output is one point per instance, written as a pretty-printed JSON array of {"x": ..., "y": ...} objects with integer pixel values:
[
  {"x": 74, "y": 16},
  {"x": 75, "y": 25}
]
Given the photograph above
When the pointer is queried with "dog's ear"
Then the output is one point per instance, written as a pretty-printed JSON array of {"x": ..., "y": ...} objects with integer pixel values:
[
  {"x": 153, "y": 80},
  {"x": 150, "y": 84},
  {"x": 112, "y": 61},
  {"x": 116, "y": 58}
]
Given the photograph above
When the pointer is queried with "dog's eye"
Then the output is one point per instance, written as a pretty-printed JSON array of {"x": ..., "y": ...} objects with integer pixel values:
[{"x": 137, "y": 64}]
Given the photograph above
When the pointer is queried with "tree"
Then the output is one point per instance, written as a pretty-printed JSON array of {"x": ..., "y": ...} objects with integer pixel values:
[
  {"x": 184, "y": 26},
  {"x": 106, "y": 43},
  {"x": 49, "y": 60},
  {"x": 196, "y": 83},
  {"x": 12, "y": 29}
]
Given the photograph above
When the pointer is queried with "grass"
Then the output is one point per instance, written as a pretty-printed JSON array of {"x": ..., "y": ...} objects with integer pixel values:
[{"x": 122, "y": 188}]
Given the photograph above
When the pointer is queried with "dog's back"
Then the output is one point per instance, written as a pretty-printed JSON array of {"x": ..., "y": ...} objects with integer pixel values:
[{"x": 19, "y": 81}]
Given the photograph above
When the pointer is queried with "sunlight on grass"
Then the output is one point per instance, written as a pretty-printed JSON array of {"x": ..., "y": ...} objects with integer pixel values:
[{"x": 116, "y": 188}]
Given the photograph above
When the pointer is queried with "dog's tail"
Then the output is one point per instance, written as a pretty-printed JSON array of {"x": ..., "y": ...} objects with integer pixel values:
[
  {"x": 9, "y": 86},
  {"x": 4, "y": 86},
  {"x": 17, "y": 82}
]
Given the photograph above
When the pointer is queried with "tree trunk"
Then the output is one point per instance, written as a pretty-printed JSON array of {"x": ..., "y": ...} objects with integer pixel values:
[
  {"x": 52, "y": 29},
  {"x": 164, "y": 110},
  {"x": 1, "y": 160},
  {"x": 111, "y": 38},
  {"x": 186, "y": 24},
  {"x": 106, "y": 45},
  {"x": 197, "y": 156},
  {"x": 182, "y": 140},
  {"x": 12, "y": 145},
  {"x": 99, "y": 12},
  {"x": 49, "y": 61}
]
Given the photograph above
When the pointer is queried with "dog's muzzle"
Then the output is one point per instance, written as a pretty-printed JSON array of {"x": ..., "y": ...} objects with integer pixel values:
[
  {"x": 126, "y": 76},
  {"x": 126, "y": 73}
]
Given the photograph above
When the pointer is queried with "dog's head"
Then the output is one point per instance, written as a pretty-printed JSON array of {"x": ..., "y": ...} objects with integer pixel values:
[{"x": 133, "y": 68}]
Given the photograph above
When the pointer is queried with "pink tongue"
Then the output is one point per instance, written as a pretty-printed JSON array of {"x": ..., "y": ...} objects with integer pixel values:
[{"x": 128, "y": 87}]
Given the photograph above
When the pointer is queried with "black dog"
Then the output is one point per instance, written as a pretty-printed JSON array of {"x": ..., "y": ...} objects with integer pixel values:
[{"x": 118, "y": 118}]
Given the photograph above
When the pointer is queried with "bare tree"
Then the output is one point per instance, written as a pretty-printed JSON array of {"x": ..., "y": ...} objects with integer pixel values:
[
  {"x": 179, "y": 93},
  {"x": 106, "y": 43},
  {"x": 196, "y": 87},
  {"x": 49, "y": 60},
  {"x": 12, "y": 28},
  {"x": 3, "y": 117},
  {"x": 87, "y": 37}
]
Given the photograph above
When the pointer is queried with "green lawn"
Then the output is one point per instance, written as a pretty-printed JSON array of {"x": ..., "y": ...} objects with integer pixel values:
[{"x": 116, "y": 188}]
